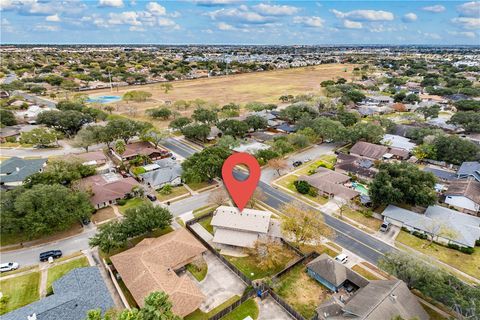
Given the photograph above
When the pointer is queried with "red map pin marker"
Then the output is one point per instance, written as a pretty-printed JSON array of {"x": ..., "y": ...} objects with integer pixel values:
[{"x": 241, "y": 191}]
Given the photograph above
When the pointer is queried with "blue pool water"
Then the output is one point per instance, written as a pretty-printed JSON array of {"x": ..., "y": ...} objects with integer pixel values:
[
  {"x": 104, "y": 99},
  {"x": 360, "y": 188}
]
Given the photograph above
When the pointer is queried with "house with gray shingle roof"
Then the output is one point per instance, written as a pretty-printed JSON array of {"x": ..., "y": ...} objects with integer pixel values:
[
  {"x": 74, "y": 294},
  {"x": 15, "y": 170},
  {"x": 162, "y": 172},
  {"x": 469, "y": 169},
  {"x": 464, "y": 195}
]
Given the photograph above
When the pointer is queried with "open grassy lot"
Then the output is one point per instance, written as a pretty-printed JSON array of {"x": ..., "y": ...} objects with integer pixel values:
[
  {"x": 176, "y": 192},
  {"x": 199, "y": 315},
  {"x": 468, "y": 263},
  {"x": 303, "y": 293},
  {"x": 259, "y": 86},
  {"x": 371, "y": 223},
  {"x": 103, "y": 215},
  {"x": 306, "y": 249},
  {"x": 248, "y": 308},
  {"x": 19, "y": 291},
  {"x": 249, "y": 265},
  {"x": 58, "y": 271},
  {"x": 364, "y": 273},
  {"x": 132, "y": 203},
  {"x": 17, "y": 238}
]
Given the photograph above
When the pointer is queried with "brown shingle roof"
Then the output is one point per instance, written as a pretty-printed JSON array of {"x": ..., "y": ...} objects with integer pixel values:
[
  {"x": 467, "y": 188},
  {"x": 330, "y": 182},
  {"x": 104, "y": 191},
  {"x": 369, "y": 150},
  {"x": 140, "y": 148},
  {"x": 151, "y": 264}
]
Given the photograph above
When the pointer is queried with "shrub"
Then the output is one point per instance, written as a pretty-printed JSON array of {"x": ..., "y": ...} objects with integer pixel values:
[
  {"x": 312, "y": 192},
  {"x": 166, "y": 189},
  {"x": 420, "y": 235},
  {"x": 477, "y": 243},
  {"x": 121, "y": 202},
  {"x": 302, "y": 187},
  {"x": 367, "y": 213},
  {"x": 467, "y": 250},
  {"x": 138, "y": 170}
]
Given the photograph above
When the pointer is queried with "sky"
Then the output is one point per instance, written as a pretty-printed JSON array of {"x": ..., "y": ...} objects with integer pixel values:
[{"x": 240, "y": 22}]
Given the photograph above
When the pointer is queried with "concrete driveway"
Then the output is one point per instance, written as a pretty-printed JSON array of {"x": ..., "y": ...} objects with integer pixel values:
[
  {"x": 219, "y": 285},
  {"x": 270, "y": 310},
  {"x": 390, "y": 235}
]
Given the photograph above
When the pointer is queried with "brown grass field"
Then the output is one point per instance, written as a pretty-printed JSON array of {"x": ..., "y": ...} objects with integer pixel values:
[{"x": 242, "y": 88}]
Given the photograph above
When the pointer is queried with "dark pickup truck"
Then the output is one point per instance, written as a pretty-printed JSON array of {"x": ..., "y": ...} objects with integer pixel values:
[{"x": 52, "y": 253}]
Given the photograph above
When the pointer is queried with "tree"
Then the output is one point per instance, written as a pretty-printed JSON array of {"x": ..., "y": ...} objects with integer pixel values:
[
  {"x": 399, "y": 96},
  {"x": 68, "y": 122},
  {"x": 62, "y": 172},
  {"x": 43, "y": 209},
  {"x": 277, "y": 165},
  {"x": 298, "y": 140},
  {"x": 40, "y": 137},
  {"x": 85, "y": 138},
  {"x": 234, "y": 128},
  {"x": 303, "y": 224},
  {"x": 218, "y": 197},
  {"x": 429, "y": 112},
  {"x": 256, "y": 122},
  {"x": 402, "y": 183},
  {"x": 179, "y": 123},
  {"x": 302, "y": 186},
  {"x": 327, "y": 83},
  {"x": 166, "y": 87},
  {"x": 467, "y": 105},
  {"x": 109, "y": 109},
  {"x": 308, "y": 132},
  {"x": 425, "y": 151},
  {"x": 264, "y": 155},
  {"x": 154, "y": 136},
  {"x": 125, "y": 129},
  {"x": 328, "y": 129},
  {"x": 7, "y": 118},
  {"x": 204, "y": 165},
  {"x": 354, "y": 96},
  {"x": 282, "y": 146},
  {"x": 268, "y": 254},
  {"x": 468, "y": 120},
  {"x": 456, "y": 150},
  {"x": 347, "y": 118},
  {"x": 228, "y": 142},
  {"x": 368, "y": 132},
  {"x": 120, "y": 147},
  {"x": 196, "y": 131},
  {"x": 437, "y": 228},
  {"x": 163, "y": 113},
  {"x": 205, "y": 116},
  {"x": 136, "y": 96},
  {"x": 411, "y": 98},
  {"x": 296, "y": 111}
]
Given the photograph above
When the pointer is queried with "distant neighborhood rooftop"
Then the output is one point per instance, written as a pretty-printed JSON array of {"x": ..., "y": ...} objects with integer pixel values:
[{"x": 17, "y": 169}]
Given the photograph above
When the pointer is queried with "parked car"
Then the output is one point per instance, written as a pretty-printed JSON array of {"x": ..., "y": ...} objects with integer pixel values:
[
  {"x": 151, "y": 197},
  {"x": 85, "y": 221},
  {"x": 52, "y": 253},
  {"x": 342, "y": 258},
  {"x": 297, "y": 163},
  {"x": 9, "y": 266},
  {"x": 385, "y": 226}
]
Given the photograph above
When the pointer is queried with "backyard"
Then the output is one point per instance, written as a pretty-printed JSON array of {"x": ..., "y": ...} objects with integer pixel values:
[
  {"x": 248, "y": 308},
  {"x": 468, "y": 263},
  {"x": 200, "y": 315},
  {"x": 300, "y": 291},
  {"x": 19, "y": 291},
  {"x": 58, "y": 271}
]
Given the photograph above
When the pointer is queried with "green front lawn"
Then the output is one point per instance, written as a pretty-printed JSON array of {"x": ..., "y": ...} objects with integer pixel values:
[
  {"x": 287, "y": 182},
  {"x": 200, "y": 315},
  {"x": 206, "y": 224},
  {"x": 131, "y": 203},
  {"x": 19, "y": 291},
  {"x": 176, "y": 192},
  {"x": 58, "y": 271},
  {"x": 468, "y": 263},
  {"x": 248, "y": 308},
  {"x": 364, "y": 273},
  {"x": 249, "y": 265},
  {"x": 303, "y": 293},
  {"x": 200, "y": 185},
  {"x": 371, "y": 223}
]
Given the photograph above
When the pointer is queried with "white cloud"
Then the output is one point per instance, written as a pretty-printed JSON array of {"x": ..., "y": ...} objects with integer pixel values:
[
  {"x": 136, "y": 28},
  {"x": 275, "y": 10},
  {"x": 314, "y": 22},
  {"x": 435, "y": 9},
  {"x": 156, "y": 9},
  {"x": 225, "y": 26},
  {"x": 352, "y": 24},
  {"x": 467, "y": 23},
  {"x": 46, "y": 27},
  {"x": 111, "y": 3},
  {"x": 470, "y": 9},
  {"x": 126, "y": 17},
  {"x": 6, "y": 26},
  {"x": 6, "y": 5},
  {"x": 364, "y": 15},
  {"x": 165, "y": 22},
  {"x": 213, "y": 3},
  {"x": 430, "y": 35},
  {"x": 467, "y": 34},
  {"x": 53, "y": 18},
  {"x": 241, "y": 15},
  {"x": 409, "y": 17}
]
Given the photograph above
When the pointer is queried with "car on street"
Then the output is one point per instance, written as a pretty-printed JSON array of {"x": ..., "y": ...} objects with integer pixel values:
[
  {"x": 44, "y": 256},
  {"x": 385, "y": 226},
  {"x": 342, "y": 258},
  {"x": 9, "y": 266},
  {"x": 297, "y": 163},
  {"x": 151, "y": 197}
]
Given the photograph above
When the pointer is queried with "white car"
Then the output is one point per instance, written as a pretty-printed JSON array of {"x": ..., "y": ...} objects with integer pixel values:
[
  {"x": 4, "y": 267},
  {"x": 342, "y": 258}
]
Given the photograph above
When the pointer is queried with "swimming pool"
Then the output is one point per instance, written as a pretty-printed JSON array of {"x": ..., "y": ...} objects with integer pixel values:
[
  {"x": 104, "y": 99},
  {"x": 360, "y": 188}
]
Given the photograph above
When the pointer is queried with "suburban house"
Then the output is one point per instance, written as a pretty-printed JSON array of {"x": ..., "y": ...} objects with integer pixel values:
[
  {"x": 214, "y": 133},
  {"x": 398, "y": 142},
  {"x": 108, "y": 188},
  {"x": 464, "y": 229},
  {"x": 154, "y": 265},
  {"x": 441, "y": 174},
  {"x": 95, "y": 158},
  {"x": 355, "y": 297},
  {"x": 263, "y": 136},
  {"x": 74, "y": 294},
  {"x": 469, "y": 169},
  {"x": 141, "y": 148},
  {"x": 361, "y": 167},
  {"x": 13, "y": 171},
  {"x": 241, "y": 229},
  {"x": 369, "y": 150},
  {"x": 9, "y": 134},
  {"x": 162, "y": 172},
  {"x": 285, "y": 128},
  {"x": 330, "y": 183},
  {"x": 251, "y": 147},
  {"x": 464, "y": 195}
]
